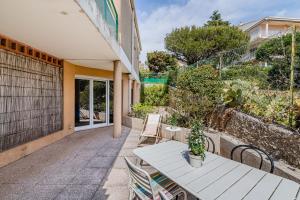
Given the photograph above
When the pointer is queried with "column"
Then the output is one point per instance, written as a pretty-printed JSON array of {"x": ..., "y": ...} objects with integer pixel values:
[
  {"x": 136, "y": 92},
  {"x": 117, "y": 99},
  {"x": 130, "y": 93},
  {"x": 125, "y": 105},
  {"x": 267, "y": 30}
]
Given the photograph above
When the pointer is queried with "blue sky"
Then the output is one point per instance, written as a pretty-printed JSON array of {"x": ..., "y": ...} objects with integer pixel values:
[{"x": 158, "y": 17}]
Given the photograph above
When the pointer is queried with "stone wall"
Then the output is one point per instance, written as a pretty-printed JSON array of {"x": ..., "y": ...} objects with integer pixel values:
[{"x": 281, "y": 143}]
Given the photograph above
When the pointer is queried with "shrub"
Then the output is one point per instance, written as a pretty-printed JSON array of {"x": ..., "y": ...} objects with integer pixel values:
[
  {"x": 140, "y": 110},
  {"x": 272, "y": 106},
  {"x": 156, "y": 95},
  {"x": 198, "y": 91},
  {"x": 254, "y": 74}
]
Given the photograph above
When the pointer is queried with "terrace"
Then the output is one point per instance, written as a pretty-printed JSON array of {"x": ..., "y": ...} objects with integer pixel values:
[{"x": 85, "y": 165}]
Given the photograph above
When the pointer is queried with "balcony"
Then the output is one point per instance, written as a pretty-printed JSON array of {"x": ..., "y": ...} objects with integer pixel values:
[{"x": 109, "y": 14}]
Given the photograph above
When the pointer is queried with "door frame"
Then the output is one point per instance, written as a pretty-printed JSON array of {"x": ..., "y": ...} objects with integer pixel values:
[{"x": 91, "y": 80}]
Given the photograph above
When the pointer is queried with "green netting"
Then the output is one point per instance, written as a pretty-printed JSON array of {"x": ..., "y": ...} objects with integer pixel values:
[{"x": 155, "y": 80}]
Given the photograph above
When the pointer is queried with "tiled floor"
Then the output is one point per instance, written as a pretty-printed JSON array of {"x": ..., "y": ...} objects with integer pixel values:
[
  {"x": 77, "y": 167},
  {"x": 88, "y": 165}
]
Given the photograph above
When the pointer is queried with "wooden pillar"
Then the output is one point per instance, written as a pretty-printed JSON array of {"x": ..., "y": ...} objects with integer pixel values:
[{"x": 117, "y": 99}]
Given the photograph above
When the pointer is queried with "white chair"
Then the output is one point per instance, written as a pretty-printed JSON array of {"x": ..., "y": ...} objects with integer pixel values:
[
  {"x": 151, "y": 187},
  {"x": 151, "y": 128}
]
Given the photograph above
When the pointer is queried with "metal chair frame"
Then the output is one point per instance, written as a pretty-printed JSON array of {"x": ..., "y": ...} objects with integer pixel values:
[
  {"x": 208, "y": 141},
  {"x": 257, "y": 150},
  {"x": 142, "y": 179}
]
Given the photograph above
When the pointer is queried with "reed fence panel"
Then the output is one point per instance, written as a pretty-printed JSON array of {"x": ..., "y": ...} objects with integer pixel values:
[{"x": 31, "y": 99}]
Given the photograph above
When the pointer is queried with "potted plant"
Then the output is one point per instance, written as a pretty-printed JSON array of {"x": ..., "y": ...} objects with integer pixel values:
[{"x": 196, "y": 143}]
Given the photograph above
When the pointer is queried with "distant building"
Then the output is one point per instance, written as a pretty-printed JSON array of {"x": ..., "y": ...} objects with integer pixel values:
[{"x": 267, "y": 28}]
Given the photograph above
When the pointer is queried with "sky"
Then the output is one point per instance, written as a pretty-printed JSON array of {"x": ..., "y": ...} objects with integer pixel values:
[{"x": 159, "y": 17}]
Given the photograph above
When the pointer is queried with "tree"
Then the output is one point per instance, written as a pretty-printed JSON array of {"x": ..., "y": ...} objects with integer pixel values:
[
  {"x": 277, "y": 53},
  {"x": 160, "y": 61},
  {"x": 216, "y": 20},
  {"x": 191, "y": 44}
]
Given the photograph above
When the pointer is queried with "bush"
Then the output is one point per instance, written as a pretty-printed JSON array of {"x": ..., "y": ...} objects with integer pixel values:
[
  {"x": 156, "y": 95},
  {"x": 198, "y": 91},
  {"x": 140, "y": 110},
  {"x": 272, "y": 106},
  {"x": 255, "y": 74}
]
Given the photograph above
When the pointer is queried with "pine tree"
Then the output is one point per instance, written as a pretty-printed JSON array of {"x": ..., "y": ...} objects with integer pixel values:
[{"x": 216, "y": 20}]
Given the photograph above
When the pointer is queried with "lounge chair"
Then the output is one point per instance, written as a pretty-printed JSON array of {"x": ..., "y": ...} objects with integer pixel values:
[
  {"x": 151, "y": 187},
  {"x": 151, "y": 128}
]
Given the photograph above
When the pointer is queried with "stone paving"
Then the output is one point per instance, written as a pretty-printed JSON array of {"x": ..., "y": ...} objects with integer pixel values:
[
  {"x": 76, "y": 167},
  {"x": 87, "y": 165}
]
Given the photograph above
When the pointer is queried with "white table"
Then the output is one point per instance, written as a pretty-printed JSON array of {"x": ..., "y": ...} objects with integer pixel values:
[{"x": 219, "y": 178}]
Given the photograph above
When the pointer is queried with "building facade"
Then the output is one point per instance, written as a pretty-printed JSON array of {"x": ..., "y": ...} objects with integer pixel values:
[
  {"x": 66, "y": 66},
  {"x": 268, "y": 27}
]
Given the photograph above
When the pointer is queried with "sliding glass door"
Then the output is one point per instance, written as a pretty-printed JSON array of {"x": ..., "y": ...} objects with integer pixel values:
[
  {"x": 82, "y": 103},
  {"x": 93, "y": 103}
]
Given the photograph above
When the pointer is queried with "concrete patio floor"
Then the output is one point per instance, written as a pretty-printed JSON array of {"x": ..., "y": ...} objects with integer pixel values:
[{"x": 84, "y": 165}]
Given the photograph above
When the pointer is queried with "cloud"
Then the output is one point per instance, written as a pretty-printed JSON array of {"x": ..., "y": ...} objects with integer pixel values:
[{"x": 156, "y": 24}]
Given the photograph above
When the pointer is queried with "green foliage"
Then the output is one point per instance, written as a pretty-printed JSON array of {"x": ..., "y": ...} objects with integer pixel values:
[
  {"x": 173, "y": 119},
  {"x": 144, "y": 72},
  {"x": 270, "y": 105},
  {"x": 216, "y": 20},
  {"x": 196, "y": 140},
  {"x": 191, "y": 44},
  {"x": 233, "y": 96},
  {"x": 160, "y": 61},
  {"x": 277, "y": 53},
  {"x": 279, "y": 75},
  {"x": 141, "y": 110},
  {"x": 278, "y": 48},
  {"x": 254, "y": 74},
  {"x": 155, "y": 95},
  {"x": 198, "y": 91}
]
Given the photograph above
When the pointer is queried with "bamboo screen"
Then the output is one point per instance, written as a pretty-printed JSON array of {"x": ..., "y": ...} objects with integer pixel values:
[{"x": 31, "y": 99}]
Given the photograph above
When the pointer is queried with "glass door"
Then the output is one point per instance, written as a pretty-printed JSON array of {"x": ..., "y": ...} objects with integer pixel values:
[
  {"x": 82, "y": 103},
  {"x": 99, "y": 102},
  {"x": 93, "y": 103}
]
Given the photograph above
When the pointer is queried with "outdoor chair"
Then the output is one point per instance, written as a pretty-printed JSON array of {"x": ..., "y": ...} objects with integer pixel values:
[
  {"x": 151, "y": 128},
  {"x": 151, "y": 187},
  {"x": 210, "y": 144},
  {"x": 259, "y": 151}
]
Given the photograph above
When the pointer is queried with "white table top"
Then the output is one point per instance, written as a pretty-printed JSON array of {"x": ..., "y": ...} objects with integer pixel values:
[
  {"x": 174, "y": 129},
  {"x": 219, "y": 178}
]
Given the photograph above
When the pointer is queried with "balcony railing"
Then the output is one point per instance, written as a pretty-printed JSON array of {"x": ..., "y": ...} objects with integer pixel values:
[{"x": 109, "y": 13}]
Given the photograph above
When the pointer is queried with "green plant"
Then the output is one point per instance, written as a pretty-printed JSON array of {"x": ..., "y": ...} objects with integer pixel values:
[
  {"x": 270, "y": 105},
  {"x": 155, "y": 95},
  {"x": 255, "y": 74},
  {"x": 140, "y": 110},
  {"x": 191, "y": 44},
  {"x": 196, "y": 140},
  {"x": 198, "y": 91},
  {"x": 160, "y": 61},
  {"x": 173, "y": 119}
]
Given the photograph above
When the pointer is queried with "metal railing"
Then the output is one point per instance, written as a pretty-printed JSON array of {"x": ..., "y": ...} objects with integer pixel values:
[{"x": 110, "y": 15}]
